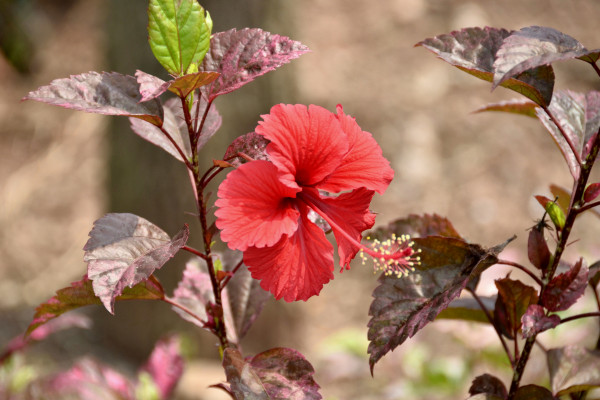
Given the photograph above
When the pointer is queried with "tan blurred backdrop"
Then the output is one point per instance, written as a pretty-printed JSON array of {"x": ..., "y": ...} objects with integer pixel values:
[{"x": 60, "y": 170}]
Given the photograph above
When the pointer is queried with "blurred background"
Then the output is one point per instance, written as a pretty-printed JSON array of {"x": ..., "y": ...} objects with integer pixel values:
[{"x": 61, "y": 170}]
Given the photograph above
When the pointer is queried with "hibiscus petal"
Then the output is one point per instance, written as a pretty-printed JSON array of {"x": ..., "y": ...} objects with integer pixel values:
[
  {"x": 255, "y": 208},
  {"x": 295, "y": 268},
  {"x": 348, "y": 212},
  {"x": 363, "y": 165},
  {"x": 306, "y": 144}
]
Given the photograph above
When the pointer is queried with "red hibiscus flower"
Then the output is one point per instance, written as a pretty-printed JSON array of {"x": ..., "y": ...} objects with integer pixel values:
[{"x": 264, "y": 207}]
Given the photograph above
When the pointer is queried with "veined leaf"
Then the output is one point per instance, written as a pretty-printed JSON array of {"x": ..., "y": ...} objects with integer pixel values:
[
  {"x": 514, "y": 297},
  {"x": 416, "y": 226},
  {"x": 105, "y": 93},
  {"x": 125, "y": 249},
  {"x": 573, "y": 369},
  {"x": 467, "y": 309},
  {"x": 241, "y": 56},
  {"x": 473, "y": 50},
  {"x": 278, "y": 374},
  {"x": 566, "y": 288},
  {"x": 178, "y": 33},
  {"x": 152, "y": 86},
  {"x": 533, "y": 47},
  {"x": 535, "y": 321},
  {"x": 252, "y": 144}
]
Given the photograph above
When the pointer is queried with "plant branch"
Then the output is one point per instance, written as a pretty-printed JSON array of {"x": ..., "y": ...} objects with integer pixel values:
[
  {"x": 522, "y": 268},
  {"x": 564, "y": 134},
  {"x": 195, "y": 252},
  {"x": 595, "y": 66},
  {"x": 578, "y": 316},
  {"x": 587, "y": 207},
  {"x": 491, "y": 319},
  {"x": 233, "y": 271},
  {"x": 179, "y": 150},
  {"x": 199, "y": 130}
]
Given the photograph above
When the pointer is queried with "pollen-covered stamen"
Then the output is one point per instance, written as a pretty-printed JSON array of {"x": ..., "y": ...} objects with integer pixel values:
[
  {"x": 400, "y": 248},
  {"x": 392, "y": 255}
]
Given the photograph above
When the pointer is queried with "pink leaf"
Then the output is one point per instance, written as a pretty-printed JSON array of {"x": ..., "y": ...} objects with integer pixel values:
[
  {"x": 591, "y": 192},
  {"x": 107, "y": 93},
  {"x": 565, "y": 289},
  {"x": 165, "y": 365},
  {"x": 241, "y": 56},
  {"x": 125, "y": 249},
  {"x": 252, "y": 144},
  {"x": 536, "y": 321}
]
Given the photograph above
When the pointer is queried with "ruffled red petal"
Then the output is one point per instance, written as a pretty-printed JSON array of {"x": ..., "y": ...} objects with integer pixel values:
[
  {"x": 350, "y": 213},
  {"x": 307, "y": 144},
  {"x": 295, "y": 268},
  {"x": 255, "y": 208},
  {"x": 363, "y": 165}
]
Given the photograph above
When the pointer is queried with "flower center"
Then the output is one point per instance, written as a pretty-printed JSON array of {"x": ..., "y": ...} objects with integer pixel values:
[{"x": 394, "y": 256}]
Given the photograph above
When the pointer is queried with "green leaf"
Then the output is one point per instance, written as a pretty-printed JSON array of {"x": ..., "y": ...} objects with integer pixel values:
[{"x": 178, "y": 33}]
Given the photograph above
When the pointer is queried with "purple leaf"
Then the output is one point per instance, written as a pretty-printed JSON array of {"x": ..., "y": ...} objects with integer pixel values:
[
  {"x": 533, "y": 392},
  {"x": 417, "y": 226},
  {"x": 516, "y": 106},
  {"x": 81, "y": 293},
  {"x": 536, "y": 321},
  {"x": 194, "y": 291},
  {"x": 107, "y": 93},
  {"x": 89, "y": 380},
  {"x": 173, "y": 124},
  {"x": 565, "y": 289},
  {"x": 537, "y": 248},
  {"x": 278, "y": 374},
  {"x": 591, "y": 192},
  {"x": 533, "y": 47},
  {"x": 252, "y": 144},
  {"x": 165, "y": 365},
  {"x": 241, "y": 56},
  {"x": 473, "y": 50},
  {"x": 402, "y": 306},
  {"x": 579, "y": 116},
  {"x": 514, "y": 297},
  {"x": 573, "y": 369},
  {"x": 41, "y": 332},
  {"x": 152, "y": 86},
  {"x": 489, "y": 384},
  {"x": 125, "y": 249}
]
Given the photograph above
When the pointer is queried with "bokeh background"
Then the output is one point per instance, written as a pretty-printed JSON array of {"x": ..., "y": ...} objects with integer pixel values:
[{"x": 61, "y": 170}]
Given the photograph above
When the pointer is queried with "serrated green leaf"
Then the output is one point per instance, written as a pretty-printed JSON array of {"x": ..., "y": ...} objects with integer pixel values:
[{"x": 178, "y": 33}]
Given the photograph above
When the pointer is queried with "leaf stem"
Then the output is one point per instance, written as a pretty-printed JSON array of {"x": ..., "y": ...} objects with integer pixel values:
[
  {"x": 491, "y": 319},
  {"x": 183, "y": 308},
  {"x": 179, "y": 150},
  {"x": 233, "y": 271},
  {"x": 564, "y": 134},
  {"x": 578, "y": 316},
  {"x": 522, "y": 268},
  {"x": 194, "y": 251},
  {"x": 595, "y": 66},
  {"x": 587, "y": 207}
]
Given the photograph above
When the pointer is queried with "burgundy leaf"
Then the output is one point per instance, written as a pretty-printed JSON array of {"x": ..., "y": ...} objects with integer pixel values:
[
  {"x": 65, "y": 322},
  {"x": 165, "y": 365},
  {"x": 251, "y": 144},
  {"x": 152, "y": 86},
  {"x": 89, "y": 380},
  {"x": 107, "y": 93},
  {"x": 467, "y": 309},
  {"x": 565, "y": 289},
  {"x": 487, "y": 383},
  {"x": 573, "y": 369},
  {"x": 579, "y": 116},
  {"x": 514, "y": 297},
  {"x": 533, "y": 47},
  {"x": 241, "y": 56},
  {"x": 81, "y": 293},
  {"x": 536, "y": 321},
  {"x": 417, "y": 226},
  {"x": 125, "y": 249},
  {"x": 533, "y": 392},
  {"x": 517, "y": 106},
  {"x": 173, "y": 124},
  {"x": 473, "y": 50},
  {"x": 537, "y": 248},
  {"x": 591, "y": 192},
  {"x": 402, "y": 306},
  {"x": 594, "y": 274},
  {"x": 278, "y": 374}
]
